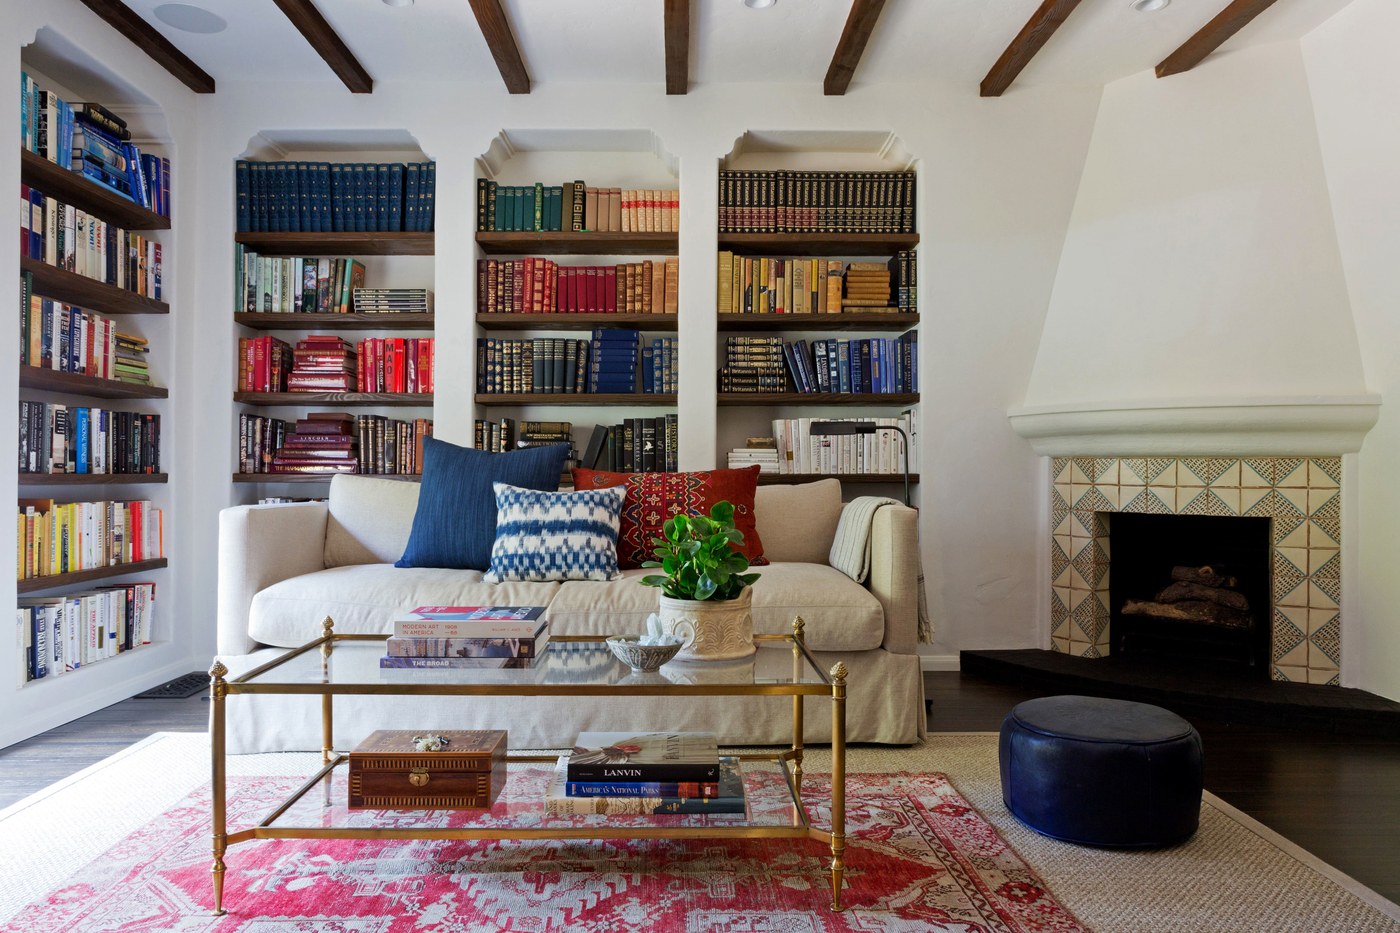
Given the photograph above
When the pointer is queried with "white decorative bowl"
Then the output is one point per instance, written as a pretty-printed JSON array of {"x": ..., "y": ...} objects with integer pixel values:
[{"x": 641, "y": 657}]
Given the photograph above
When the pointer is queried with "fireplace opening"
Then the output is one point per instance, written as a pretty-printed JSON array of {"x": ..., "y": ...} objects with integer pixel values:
[{"x": 1191, "y": 587}]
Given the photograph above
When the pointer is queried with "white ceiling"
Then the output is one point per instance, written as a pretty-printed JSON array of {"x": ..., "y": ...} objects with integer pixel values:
[{"x": 620, "y": 40}]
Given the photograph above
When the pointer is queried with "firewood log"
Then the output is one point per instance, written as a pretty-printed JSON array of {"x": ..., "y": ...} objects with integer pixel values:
[
  {"x": 1206, "y": 576},
  {"x": 1197, "y": 611},
  {"x": 1179, "y": 592}
]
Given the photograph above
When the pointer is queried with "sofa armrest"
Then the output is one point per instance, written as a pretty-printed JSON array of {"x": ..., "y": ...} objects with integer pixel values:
[
  {"x": 260, "y": 545},
  {"x": 894, "y": 575}
]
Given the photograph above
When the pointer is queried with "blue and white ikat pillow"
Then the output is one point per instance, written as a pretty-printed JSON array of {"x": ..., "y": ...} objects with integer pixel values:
[{"x": 547, "y": 536}]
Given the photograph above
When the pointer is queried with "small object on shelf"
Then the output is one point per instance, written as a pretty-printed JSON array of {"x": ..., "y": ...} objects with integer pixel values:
[
  {"x": 640, "y": 657},
  {"x": 390, "y": 771}
]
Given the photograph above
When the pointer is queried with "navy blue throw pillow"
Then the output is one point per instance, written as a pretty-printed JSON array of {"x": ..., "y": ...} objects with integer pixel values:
[{"x": 455, "y": 524}]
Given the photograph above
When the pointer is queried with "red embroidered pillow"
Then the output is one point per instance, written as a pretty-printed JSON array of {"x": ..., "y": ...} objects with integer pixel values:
[{"x": 654, "y": 497}]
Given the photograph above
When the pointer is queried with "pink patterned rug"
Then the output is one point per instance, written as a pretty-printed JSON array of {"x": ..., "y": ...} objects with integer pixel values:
[{"x": 918, "y": 857}]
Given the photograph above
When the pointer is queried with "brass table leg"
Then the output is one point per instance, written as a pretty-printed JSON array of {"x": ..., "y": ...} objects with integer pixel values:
[
  {"x": 798, "y": 733},
  {"x": 217, "y": 691},
  {"x": 326, "y": 626},
  {"x": 838, "y": 781}
]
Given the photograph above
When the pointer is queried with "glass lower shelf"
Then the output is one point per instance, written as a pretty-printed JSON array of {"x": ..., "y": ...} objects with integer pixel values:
[{"x": 521, "y": 808}]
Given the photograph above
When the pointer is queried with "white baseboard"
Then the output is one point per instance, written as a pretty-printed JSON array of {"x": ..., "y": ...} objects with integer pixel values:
[{"x": 939, "y": 662}]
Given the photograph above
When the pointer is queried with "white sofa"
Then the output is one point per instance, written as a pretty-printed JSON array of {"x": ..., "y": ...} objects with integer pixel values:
[{"x": 283, "y": 568}]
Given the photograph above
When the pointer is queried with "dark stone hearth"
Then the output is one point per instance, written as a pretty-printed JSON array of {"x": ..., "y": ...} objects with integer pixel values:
[{"x": 1191, "y": 687}]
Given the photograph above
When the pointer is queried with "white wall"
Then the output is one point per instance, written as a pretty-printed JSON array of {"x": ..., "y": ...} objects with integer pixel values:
[
  {"x": 1350, "y": 68},
  {"x": 1201, "y": 259},
  {"x": 997, "y": 184}
]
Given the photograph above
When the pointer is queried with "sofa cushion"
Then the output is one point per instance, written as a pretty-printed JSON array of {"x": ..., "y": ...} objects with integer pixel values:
[
  {"x": 798, "y": 523},
  {"x": 362, "y": 599},
  {"x": 840, "y": 614},
  {"x": 652, "y": 498},
  {"x": 455, "y": 522},
  {"x": 555, "y": 535},
  {"x": 369, "y": 519}
]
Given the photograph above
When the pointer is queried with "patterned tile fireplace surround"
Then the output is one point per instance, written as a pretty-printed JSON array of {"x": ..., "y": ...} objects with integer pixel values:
[{"x": 1302, "y": 496}]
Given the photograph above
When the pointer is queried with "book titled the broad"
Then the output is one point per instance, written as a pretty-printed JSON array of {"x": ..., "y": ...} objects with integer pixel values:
[
  {"x": 470, "y": 622},
  {"x": 644, "y": 756},
  {"x": 730, "y": 799}
]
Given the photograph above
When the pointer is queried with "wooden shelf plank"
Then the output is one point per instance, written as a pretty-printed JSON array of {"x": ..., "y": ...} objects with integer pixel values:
[
  {"x": 387, "y": 321},
  {"x": 60, "y": 580},
  {"x": 583, "y": 398},
  {"x": 846, "y": 320},
  {"x": 70, "y": 187},
  {"x": 50, "y": 380},
  {"x": 817, "y": 398},
  {"x": 62, "y": 285},
  {"x": 819, "y": 244},
  {"x": 788, "y": 479},
  {"x": 391, "y": 243},
  {"x": 91, "y": 479},
  {"x": 297, "y": 399},
  {"x": 569, "y": 243},
  {"x": 665, "y": 322},
  {"x": 314, "y": 477}
]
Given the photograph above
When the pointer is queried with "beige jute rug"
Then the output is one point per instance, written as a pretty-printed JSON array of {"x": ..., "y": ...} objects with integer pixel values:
[{"x": 1233, "y": 875}]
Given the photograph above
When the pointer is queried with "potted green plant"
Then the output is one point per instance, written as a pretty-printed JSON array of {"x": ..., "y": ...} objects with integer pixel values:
[{"x": 706, "y": 599}]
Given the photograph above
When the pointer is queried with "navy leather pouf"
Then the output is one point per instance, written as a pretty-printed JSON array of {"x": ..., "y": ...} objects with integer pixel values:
[{"x": 1101, "y": 772}]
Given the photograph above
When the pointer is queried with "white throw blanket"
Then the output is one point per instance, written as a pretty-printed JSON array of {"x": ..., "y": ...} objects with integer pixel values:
[{"x": 850, "y": 551}]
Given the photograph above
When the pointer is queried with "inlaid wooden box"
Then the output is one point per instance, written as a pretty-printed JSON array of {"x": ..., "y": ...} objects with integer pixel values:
[{"x": 387, "y": 773}]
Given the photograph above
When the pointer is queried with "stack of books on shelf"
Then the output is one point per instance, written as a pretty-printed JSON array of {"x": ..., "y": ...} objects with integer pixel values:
[
  {"x": 301, "y": 285},
  {"x": 612, "y": 367},
  {"x": 263, "y": 364},
  {"x": 535, "y": 285},
  {"x": 392, "y": 301},
  {"x": 322, "y": 442},
  {"x": 866, "y": 286},
  {"x": 63, "y": 633},
  {"x": 868, "y": 365},
  {"x": 637, "y": 445},
  {"x": 395, "y": 364},
  {"x": 753, "y": 363},
  {"x": 466, "y": 637},
  {"x": 91, "y": 140},
  {"x": 777, "y": 285},
  {"x": 55, "y": 438},
  {"x": 576, "y": 206},
  {"x": 799, "y": 452},
  {"x": 758, "y": 450},
  {"x": 61, "y": 235},
  {"x": 659, "y": 369},
  {"x": 334, "y": 197},
  {"x": 258, "y": 438},
  {"x": 391, "y": 447},
  {"x": 322, "y": 363},
  {"x": 539, "y": 365},
  {"x": 131, "y": 365},
  {"x": 619, "y": 773},
  {"x": 67, "y": 537},
  {"x": 816, "y": 202}
]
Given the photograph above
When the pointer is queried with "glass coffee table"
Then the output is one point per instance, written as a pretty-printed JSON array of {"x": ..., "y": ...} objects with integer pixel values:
[{"x": 342, "y": 665}]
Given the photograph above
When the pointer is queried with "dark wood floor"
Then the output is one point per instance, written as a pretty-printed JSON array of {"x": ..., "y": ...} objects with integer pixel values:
[{"x": 1336, "y": 796}]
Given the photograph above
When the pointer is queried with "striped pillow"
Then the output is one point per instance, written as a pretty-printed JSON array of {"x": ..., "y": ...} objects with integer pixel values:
[{"x": 543, "y": 536}]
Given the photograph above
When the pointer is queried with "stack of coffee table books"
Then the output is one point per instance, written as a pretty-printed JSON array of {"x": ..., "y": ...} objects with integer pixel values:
[
  {"x": 624, "y": 773},
  {"x": 436, "y": 638}
]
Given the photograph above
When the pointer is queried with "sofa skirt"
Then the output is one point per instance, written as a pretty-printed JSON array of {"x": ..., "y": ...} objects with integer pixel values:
[{"x": 884, "y": 705}]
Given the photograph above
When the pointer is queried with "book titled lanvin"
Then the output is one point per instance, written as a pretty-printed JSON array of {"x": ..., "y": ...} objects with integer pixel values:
[
  {"x": 559, "y": 801},
  {"x": 470, "y": 622},
  {"x": 644, "y": 756}
]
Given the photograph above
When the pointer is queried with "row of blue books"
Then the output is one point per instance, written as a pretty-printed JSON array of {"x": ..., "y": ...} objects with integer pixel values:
[
  {"x": 870, "y": 365},
  {"x": 334, "y": 197},
  {"x": 659, "y": 366},
  {"x": 613, "y": 363}
]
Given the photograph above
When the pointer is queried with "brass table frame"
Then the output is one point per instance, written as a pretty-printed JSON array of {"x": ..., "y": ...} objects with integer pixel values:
[{"x": 832, "y": 684}]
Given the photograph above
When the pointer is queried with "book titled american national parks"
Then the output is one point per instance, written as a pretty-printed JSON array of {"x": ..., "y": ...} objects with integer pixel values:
[{"x": 644, "y": 756}]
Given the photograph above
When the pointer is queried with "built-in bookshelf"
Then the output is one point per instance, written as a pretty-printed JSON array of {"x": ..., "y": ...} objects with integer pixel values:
[
  {"x": 845, "y": 218},
  {"x": 400, "y": 254},
  {"x": 118, "y": 313}
]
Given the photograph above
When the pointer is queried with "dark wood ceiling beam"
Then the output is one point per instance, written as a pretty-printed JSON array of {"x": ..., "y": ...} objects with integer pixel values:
[
  {"x": 1028, "y": 42},
  {"x": 496, "y": 30},
  {"x": 145, "y": 37},
  {"x": 328, "y": 44},
  {"x": 1212, "y": 35},
  {"x": 860, "y": 23},
  {"x": 677, "y": 46}
]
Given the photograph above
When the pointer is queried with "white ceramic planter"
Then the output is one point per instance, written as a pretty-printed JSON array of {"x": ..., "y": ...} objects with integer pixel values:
[{"x": 710, "y": 630}]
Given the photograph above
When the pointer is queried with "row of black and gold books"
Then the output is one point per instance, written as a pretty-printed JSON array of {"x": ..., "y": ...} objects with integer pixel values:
[{"x": 816, "y": 202}]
